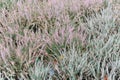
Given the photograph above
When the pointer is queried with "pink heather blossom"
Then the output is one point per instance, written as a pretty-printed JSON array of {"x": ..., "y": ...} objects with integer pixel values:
[{"x": 92, "y": 2}]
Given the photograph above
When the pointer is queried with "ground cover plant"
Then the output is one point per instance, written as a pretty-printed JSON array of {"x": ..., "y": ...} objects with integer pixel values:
[{"x": 59, "y": 40}]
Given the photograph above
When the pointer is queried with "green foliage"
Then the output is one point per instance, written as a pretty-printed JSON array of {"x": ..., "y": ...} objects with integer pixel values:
[
  {"x": 39, "y": 71},
  {"x": 7, "y": 4}
]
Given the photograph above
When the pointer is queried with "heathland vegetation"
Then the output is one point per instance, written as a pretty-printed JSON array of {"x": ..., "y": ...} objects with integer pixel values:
[{"x": 59, "y": 39}]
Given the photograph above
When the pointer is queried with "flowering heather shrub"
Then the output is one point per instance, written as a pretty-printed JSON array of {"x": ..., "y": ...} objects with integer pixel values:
[
  {"x": 68, "y": 34},
  {"x": 64, "y": 37},
  {"x": 92, "y": 2},
  {"x": 59, "y": 39},
  {"x": 18, "y": 50}
]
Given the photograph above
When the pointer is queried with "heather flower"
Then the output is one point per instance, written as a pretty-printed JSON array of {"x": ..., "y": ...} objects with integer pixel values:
[{"x": 92, "y": 2}]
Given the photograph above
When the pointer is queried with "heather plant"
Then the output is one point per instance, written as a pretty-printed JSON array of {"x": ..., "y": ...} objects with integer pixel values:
[
  {"x": 63, "y": 40},
  {"x": 59, "y": 40},
  {"x": 20, "y": 49}
]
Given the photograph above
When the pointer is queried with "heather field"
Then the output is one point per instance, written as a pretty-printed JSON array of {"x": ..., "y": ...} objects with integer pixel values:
[{"x": 59, "y": 39}]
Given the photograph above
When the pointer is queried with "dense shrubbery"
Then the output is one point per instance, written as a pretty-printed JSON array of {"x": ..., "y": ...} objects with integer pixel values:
[{"x": 59, "y": 40}]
